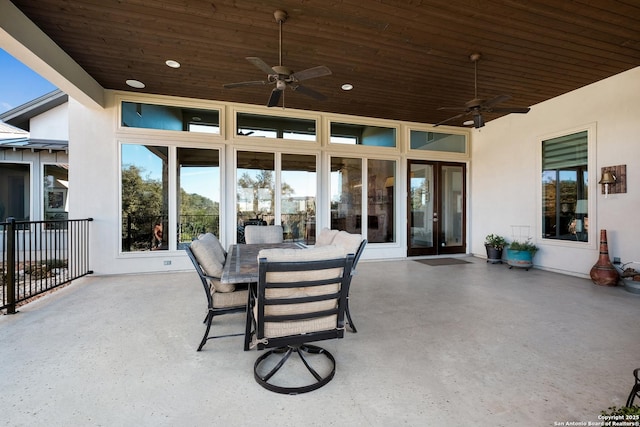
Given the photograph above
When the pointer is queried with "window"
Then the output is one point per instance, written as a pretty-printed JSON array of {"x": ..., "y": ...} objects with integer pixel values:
[
  {"x": 381, "y": 178},
  {"x": 165, "y": 117},
  {"x": 144, "y": 198},
  {"x": 15, "y": 195},
  {"x": 346, "y": 133},
  {"x": 346, "y": 194},
  {"x": 435, "y": 141},
  {"x": 260, "y": 126},
  {"x": 198, "y": 193},
  {"x": 565, "y": 186},
  {"x": 55, "y": 186},
  {"x": 255, "y": 190},
  {"x": 298, "y": 192}
]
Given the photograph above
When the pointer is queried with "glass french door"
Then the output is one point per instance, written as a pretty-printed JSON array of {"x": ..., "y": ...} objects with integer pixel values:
[{"x": 436, "y": 208}]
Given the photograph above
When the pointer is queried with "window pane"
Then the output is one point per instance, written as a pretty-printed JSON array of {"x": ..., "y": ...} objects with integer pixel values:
[
  {"x": 150, "y": 116},
  {"x": 255, "y": 190},
  {"x": 144, "y": 172},
  {"x": 199, "y": 193},
  {"x": 298, "y": 210},
  {"x": 435, "y": 141},
  {"x": 259, "y": 126},
  {"x": 346, "y": 194},
  {"x": 55, "y": 187},
  {"x": 15, "y": 197},
  {"x": 381, "y": 176},
  {"x": 346, "y": 133},
  {"x": 565, "y": 188}
]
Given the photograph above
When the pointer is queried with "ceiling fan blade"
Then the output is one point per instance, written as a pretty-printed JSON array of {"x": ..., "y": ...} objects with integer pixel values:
[
  {"x": 498, "y": 99},
  {"x": 450, "y": 119},
  {"x": 241, "y": 84},
  {"x": 311, "y": 73},
  {"x": 274, "y": 98},
  {"x": 309, "y": 92},
  {"x": 260, "y": 64},
  {"x": 452, "y": 108},
  {"x": 520, "y": 110}
]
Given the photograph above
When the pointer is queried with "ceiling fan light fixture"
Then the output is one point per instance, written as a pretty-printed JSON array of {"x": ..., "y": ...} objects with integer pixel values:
[
  {"x": 347, "y": 86},
  {"x": 172, "y": 63}
]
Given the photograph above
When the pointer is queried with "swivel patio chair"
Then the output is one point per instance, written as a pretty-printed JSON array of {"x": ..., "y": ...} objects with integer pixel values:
[
  {"x": 207, "y": 256},
  {"x": 263, "y": 234},
  {"x": 301, "y": 297}
]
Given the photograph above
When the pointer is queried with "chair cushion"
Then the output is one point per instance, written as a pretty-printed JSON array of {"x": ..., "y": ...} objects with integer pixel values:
[
  {"x": 229, "y": 299},
  {"x": 220, "y": 253},
  {"x": 326, "y": 237},
  {"x": 263, "y": 234},
  {"x": 347, "y": 241},
  {"x": 205, "y": 252}
]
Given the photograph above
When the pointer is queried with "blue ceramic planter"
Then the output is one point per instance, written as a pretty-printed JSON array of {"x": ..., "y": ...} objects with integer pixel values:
[{"x": 521, "y": 259}]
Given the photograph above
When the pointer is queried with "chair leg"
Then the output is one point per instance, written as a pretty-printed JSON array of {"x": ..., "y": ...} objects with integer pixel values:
[
  {"x": 285, "y": 354},
  {"x": 348, "y": 314},
  {"x": 208, "y": 321}
]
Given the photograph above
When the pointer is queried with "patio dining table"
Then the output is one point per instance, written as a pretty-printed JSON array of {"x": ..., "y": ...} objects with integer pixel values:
[{"x": 241, "y": 265}]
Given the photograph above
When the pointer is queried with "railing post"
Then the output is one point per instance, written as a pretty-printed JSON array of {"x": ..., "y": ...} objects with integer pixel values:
[{"x": 11, "y": 267}]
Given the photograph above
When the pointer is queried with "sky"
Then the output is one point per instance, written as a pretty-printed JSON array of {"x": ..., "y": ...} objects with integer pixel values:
[{"x": 18, "y": 83}]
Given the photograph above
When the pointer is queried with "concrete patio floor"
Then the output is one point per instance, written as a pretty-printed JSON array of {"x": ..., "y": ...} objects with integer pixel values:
[{"x": 453, "y": 345}]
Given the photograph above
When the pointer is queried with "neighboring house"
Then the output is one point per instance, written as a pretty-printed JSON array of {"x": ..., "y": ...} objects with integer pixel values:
[{"x": 34, "y": 160}]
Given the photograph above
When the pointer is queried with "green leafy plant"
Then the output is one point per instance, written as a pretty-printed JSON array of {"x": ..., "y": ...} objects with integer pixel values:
[
  {"x": 495, "y": 241},
  {"x": 622, "y": 411},
  {"x": 517, "y": 245}
]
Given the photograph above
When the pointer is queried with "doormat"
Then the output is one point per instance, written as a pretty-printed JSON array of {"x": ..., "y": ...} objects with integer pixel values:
[{"x": 442, "y": 261}]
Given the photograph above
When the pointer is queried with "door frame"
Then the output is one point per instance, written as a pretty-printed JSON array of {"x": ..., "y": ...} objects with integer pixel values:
[{"x": 438, "y": 248}]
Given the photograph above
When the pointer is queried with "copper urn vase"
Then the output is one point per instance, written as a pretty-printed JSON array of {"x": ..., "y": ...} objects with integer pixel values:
[{"x": 603, "y": 273}]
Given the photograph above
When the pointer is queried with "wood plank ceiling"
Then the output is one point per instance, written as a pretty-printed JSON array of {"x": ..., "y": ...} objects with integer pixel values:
[{"x": 404, "y": 58}]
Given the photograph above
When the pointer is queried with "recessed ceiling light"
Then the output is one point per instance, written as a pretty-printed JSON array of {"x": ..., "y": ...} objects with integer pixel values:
[
  {"x": 173, "y": 64},
  {"x": 135, "y": 83},
  {"x": 347, "y": 86}
]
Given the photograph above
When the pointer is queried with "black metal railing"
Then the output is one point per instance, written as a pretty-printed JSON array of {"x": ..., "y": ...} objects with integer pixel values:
[{"x": 37, "y": 256}]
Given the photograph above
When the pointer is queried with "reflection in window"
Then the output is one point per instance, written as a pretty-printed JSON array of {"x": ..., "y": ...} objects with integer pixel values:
[
  {"x": 565, "y": 188},
  {"x": 346, "y": 194},
  {"x": 381, "y": 177},
  {"x": 298, "y": 190},
  {"x": 255, "y": 188},
  {"x": 435, "y": 141},
  {"x": 198, "y": 194},
  {"x": 260, "y": 126},
  {"x": 56, "y": 186},
  {"x": 144, "y": 175},
  {"x": 165, "y": 117},
  {"x": 346, "y": 133},
  {"x": 15, "y": 196}
]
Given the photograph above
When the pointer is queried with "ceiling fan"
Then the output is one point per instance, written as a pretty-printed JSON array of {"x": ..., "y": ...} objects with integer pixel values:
[
  {"x": 477, "y": 106},
  {"x": 282, "y": 76}
]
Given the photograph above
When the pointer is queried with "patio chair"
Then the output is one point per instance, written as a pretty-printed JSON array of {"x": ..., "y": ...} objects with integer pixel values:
[
  {"x": 263, "y": 234},
  {"x": 352, "y": 244},
  {"x": 301, "y": 297},
  {"x": 207, "y": 256}
]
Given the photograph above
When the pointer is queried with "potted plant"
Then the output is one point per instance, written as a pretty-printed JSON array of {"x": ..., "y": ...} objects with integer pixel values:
[
  {"x": 520, "y": 254},
  {"x": 630, "y": 276},
  {"x": 494, "y": 245}
]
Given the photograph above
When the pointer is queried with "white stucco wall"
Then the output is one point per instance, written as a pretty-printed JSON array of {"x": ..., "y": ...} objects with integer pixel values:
[
  {"x": 506, "y": 173},
  {"x": 52, "y": 124}
]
